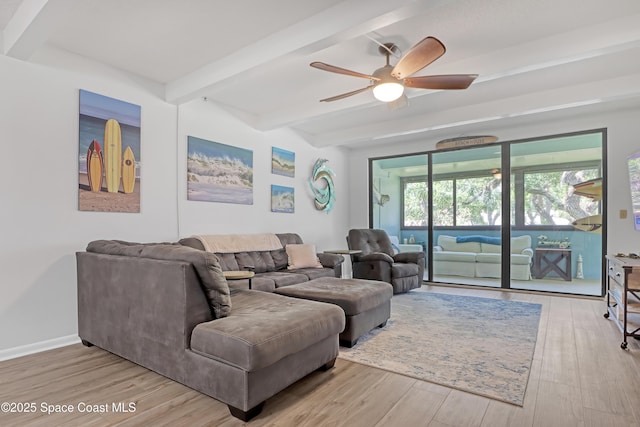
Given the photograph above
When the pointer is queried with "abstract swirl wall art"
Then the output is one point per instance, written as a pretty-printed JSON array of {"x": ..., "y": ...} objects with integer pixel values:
[{"x": 324, "y": 193}]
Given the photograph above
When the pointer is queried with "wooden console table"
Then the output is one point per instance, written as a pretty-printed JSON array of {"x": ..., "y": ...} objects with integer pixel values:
[
  {"x": 547, "y": 260},
  {"x": 623, "y": 296}
]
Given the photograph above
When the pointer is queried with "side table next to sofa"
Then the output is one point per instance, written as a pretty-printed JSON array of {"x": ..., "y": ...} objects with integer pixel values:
[{"x": 547, "y": 260}]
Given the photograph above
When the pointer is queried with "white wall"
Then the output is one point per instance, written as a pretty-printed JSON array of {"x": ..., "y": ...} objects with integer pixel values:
[
  {"x": 623, "y": 129},
  {"x": 41, "y": 227},
  {"x": 207, "y": 121}
]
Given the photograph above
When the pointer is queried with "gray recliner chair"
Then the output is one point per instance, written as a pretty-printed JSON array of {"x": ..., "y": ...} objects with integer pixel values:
[{"x": 404, "y": 270}]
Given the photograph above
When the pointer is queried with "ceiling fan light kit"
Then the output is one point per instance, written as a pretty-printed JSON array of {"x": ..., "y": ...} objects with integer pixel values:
[
  {"x": 388, "y": 83},
  {"x": 387, "y": 92},
  {"x": 388, "y": 88}
]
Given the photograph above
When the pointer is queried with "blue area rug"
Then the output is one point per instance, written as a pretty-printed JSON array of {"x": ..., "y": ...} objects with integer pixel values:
[{"x": 478, "y": 345}]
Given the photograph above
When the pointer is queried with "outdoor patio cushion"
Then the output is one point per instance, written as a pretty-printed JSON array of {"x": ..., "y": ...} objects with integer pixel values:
[
  {"x": 497, "y": 259},
  {"x": 455, "y": 256},
  {"x": 449, "y": 243}
]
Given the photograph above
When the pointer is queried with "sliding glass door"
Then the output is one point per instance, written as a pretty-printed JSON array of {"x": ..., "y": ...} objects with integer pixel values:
[
  {"x": 467, "y": 216},
  {"x": 557, "y": 197},
  {"x": 400, "y": 201},
  {"x": 547, "y": 232}
]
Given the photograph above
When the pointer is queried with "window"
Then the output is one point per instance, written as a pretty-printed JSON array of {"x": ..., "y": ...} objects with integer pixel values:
[
  {"x": 443, "y": 202},
  {"x": 547, "y": 196},
  {"x": 478, "y": 201},
  {"x": 456, "y": 202},
  {"x": 415, "y": 203}
]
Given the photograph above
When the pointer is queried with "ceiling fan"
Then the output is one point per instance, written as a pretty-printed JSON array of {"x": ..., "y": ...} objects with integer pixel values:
[{"x": 388, "y": 83}]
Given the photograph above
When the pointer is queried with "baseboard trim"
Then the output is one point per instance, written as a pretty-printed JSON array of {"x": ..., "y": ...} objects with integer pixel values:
[{"x": 24, "y": 350}]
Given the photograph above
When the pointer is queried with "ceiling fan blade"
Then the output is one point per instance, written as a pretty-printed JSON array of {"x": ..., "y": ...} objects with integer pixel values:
[
  {"x": 344, "y": 95},
  {"x": 419, "y": 56},
  {"x": 451, "y": 81},
  {"x": 338, "y": 70}
]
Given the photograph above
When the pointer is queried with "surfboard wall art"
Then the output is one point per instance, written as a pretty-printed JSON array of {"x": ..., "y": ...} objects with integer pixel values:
[
  {"x": 128, "y": 171},
  {"x": 94, "y": 166},
  {"x": 592, "y": 224},
  {"x": 112, "y": 155},
  {"x": 108, "y": 154},
  {"x": 591, "y": 189},
  {"x": 465, "y": 141}
]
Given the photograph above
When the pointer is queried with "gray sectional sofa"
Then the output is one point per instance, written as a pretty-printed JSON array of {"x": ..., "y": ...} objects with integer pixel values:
[
  {"x": 168, "y": 308},
  {"x": 271, "y": 266}
]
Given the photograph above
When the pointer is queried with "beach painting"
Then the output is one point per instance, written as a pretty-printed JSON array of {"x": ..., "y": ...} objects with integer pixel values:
[
  {"x": 282, "y": 199},
  {"x": 108, "y": 154},
  {"x": 218, "y": 172},
  {"x": 283, "y": 162}
]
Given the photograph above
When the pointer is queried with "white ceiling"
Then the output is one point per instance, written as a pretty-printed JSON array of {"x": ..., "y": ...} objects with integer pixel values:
[{"x": 252, "y": 58}]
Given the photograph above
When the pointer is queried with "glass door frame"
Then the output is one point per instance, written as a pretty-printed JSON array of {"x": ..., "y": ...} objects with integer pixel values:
[{"x": 506, "y": 229}]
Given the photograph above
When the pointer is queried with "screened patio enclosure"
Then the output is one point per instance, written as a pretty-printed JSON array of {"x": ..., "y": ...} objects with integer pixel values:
[{"x": 526, "y": 214}]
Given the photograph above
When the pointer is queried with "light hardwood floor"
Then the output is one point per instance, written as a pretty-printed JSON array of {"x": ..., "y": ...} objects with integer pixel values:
[{"x": 580, "y": 377}]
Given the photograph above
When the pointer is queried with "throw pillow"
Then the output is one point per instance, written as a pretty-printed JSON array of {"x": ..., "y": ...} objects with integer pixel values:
[{"x": 302, "y": 256}]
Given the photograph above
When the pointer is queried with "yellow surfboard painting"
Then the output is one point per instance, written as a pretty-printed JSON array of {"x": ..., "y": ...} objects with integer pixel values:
[
  {"x": 128, "y": 170},
  {"x": 112, "y": 155}
]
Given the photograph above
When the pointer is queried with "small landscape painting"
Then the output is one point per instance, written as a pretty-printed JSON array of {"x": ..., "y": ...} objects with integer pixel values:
[
  {"x": 282, "y": 199},
  {"x": 283, "y": 162},
  {"x": 218, "y": 172},
  {"x": 108, "y": 155}
]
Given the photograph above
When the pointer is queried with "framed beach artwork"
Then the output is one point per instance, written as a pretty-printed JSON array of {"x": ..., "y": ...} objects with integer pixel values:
[
  {"x": 283, "y": 162},
  {"x": 218, "y": 172},
  {"x": 282, "y": 199},
  {"x": 108, "y": 154}
]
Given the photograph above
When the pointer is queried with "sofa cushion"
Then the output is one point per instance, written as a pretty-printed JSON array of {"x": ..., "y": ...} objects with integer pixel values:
[
  {"x": 259, "y": 282},
  {"x": 491, "y": 249},
  {"x": 455, "y": 256},
  {"x": 491, "y": 258},
  {"x": 314, "y": 273},
  {"x": 284, "y": 278},
  {"x": 302, "y": 256},
  {"x": 244, "y": 339},
  {"x": 404, "y": 270},
  {"x": 520, "y": 243},
  {"x": 228, "y": 262},
  {"x": 354, "y": 296},
  {"x": 516, "y": 259},
  {"x": 448, "y": 243},
  {"x": 258, "y": 261},
  {"x": 206, "y": 265}
]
